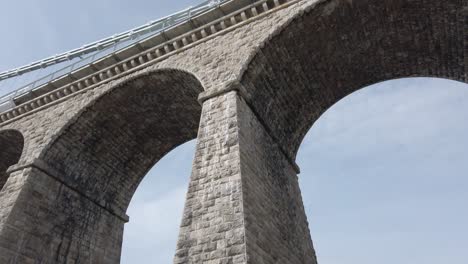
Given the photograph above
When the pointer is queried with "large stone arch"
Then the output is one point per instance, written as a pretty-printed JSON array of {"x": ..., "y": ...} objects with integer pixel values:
[
  {"x": 70, "y": 201},
  {"x": 106, "y": 150},
  {"x": 11, "y": 148},
  {"x": 335, "y": 47}
]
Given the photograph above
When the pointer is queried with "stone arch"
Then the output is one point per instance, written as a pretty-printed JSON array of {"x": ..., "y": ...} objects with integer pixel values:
[
  {"x": 106, "y": 150},
  {"x": 336, "y": 47},
  {"x": 11, "y": 148},
  {"x": 380, "y": 142}
]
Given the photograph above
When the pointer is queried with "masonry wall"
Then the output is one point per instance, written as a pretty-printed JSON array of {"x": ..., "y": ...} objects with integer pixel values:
[
  {"x": 11, "y": 147},
  {"x": 69, "y": 204},
  {"x": 212, "y": 229},
  {"x": 243, "y": 203},
  {"x": 338, "y": 47},
  {"x": 55, "y": 224},
  {"x": 275, "y": 221}
]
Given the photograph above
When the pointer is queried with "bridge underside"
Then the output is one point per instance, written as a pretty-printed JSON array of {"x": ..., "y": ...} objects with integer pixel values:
[
  {"x": 73, "y": 202},
  {"x": 260, "y": 90},
  {"x": 339, "y": 47}
]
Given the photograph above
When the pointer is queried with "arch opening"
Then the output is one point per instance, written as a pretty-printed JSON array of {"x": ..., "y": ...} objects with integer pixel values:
[
  {"x": 11, "y": 148},
  {"x": 331, "y": 198},
  {"x": 156, "y": 209},
  {"x": 383, "y": 170},
  {"x": 337, "y": 47},
  {"x": 110, "y": 147}
]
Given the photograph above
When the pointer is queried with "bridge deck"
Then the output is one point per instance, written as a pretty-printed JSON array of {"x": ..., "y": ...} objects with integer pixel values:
[{"x": 154, "y": 41}]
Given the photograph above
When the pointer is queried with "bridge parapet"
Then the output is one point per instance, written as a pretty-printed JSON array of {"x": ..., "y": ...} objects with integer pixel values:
[{"x": 63, "y": 88}]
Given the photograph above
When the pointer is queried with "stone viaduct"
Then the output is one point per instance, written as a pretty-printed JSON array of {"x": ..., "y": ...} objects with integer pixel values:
[{"x": 248, "y": 87}]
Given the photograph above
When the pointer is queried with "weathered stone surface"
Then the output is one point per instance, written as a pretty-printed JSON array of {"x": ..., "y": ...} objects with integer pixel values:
[
  {"x": 337, "y": 47},
  {"x": 243, "y": 203},
  {"x": 79, "y": 161},
  {"x": 55, "y": 224},
  {"x": 83, "y": 182},
  {"x": 275, "y": 222},
  {"x": 212, "y": 229},
  {"x": 11, "y": 146}
]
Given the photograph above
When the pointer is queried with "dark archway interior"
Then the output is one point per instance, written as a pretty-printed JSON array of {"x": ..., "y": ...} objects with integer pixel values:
[
  {"x": 341, "y": 46},
  {"x": 110, "y": 147},
  {"x": 11, "y": 147}
]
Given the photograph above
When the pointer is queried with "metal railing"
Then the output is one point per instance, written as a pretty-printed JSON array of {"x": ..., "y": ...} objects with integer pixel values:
[{"x": 99, "y": 49}]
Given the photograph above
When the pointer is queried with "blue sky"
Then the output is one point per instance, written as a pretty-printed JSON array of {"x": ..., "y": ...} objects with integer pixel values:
[{"x": 383, "y": 171}]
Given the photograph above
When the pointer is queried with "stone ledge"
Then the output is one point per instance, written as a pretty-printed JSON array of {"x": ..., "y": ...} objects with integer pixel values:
[
  {"x": 242, "y": 93},
  {"x": 232, "y": 86},
  {"x": 43, "y": 167}
]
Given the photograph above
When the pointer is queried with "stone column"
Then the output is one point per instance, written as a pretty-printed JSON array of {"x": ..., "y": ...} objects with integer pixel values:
[
  {"x": 45, "y": 221},
  {"x": 243, "y": 204}
]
